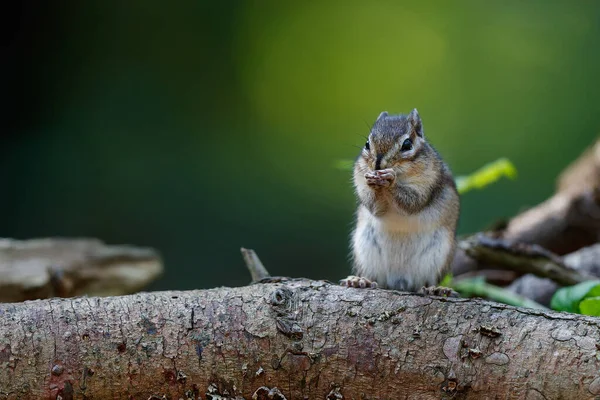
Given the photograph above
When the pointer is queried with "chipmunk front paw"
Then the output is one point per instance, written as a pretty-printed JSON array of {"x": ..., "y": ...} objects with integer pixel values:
[{"x": 381, "y": 177}]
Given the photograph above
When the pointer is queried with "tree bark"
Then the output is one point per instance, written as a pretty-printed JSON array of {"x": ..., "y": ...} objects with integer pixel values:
[
  {"x": 570, "y": 219},
  {"x": 296, "y": 339}
]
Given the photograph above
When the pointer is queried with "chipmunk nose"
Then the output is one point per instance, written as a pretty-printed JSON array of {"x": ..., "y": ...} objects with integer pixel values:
[{"x": 378, "y": 161}]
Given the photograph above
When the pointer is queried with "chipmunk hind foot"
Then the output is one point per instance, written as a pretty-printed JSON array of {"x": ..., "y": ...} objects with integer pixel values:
[{"x": 358, "y": 282}]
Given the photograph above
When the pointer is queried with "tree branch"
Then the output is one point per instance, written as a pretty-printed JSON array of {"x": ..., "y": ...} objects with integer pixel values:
[
  {"x": 43, "y": 268},
  {"x": 297, "y": 340},
  {"x": 523, "y": 258}
]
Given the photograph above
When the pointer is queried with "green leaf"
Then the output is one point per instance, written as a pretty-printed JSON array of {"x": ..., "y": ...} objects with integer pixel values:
[
  {"x": 486, "y": 175},
  {"x": 469, "y": 287},
  {"x": 590, "y": 306},
  {"x": 594, "y": 292},
  {"x": 478, "y": 287},
  {"x": 446, "y": 281},
  {"x": 568, "y": 298}
]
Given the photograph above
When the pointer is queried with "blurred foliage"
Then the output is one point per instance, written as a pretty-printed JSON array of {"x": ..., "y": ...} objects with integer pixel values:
[
  {"x": 447, "y": 280},
  {"x": 583, "y": 298},
  {"x": 590, "y": 306},
  {"x": 199, "y": 127},
  {"x": 478, "y": 287},
  {"x": 486, "y": 175}
]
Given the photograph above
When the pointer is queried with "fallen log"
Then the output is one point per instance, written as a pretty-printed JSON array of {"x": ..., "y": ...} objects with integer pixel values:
[
  {"x": 62, "y": 267},
  {"x": 296, "y": 339}
]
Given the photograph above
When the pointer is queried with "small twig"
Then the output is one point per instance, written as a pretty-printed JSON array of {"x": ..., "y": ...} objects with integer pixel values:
[
  {"x": 255, "y": 266},
  {"x": 523, "y": 258}
]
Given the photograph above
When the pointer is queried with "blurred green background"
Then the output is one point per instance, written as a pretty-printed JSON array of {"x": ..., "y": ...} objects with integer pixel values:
[{"x": 199, "y": 127}]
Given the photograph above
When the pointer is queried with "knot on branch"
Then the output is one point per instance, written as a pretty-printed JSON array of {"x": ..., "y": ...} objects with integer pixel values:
[
  {"x": 284, "y": 302},
  {"x": 281, "y": 299}
]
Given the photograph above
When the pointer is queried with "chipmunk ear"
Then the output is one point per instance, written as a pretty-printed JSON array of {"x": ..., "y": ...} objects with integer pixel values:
[
  {"x": 414, "y": 119},
  {"x": 382, "y": 115}
]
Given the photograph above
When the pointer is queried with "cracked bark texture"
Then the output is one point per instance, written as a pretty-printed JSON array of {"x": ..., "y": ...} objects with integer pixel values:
[{"x": 307, "y": 339}]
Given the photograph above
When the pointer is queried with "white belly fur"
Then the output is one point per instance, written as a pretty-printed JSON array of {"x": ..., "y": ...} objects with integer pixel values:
[{"x": 400, "y": 252}]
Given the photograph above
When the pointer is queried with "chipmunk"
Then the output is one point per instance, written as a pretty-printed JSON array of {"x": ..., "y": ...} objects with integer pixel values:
[{"x": 405, "y": 234}]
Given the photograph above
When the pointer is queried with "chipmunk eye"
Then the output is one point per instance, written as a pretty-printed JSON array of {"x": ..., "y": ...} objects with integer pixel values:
[
  {"x": 407, "y": 145},
  {"x": 367, "y": 146}
]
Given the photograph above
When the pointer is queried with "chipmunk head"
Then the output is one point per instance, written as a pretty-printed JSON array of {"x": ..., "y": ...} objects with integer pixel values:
[{"x": 394, "y": 140}]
